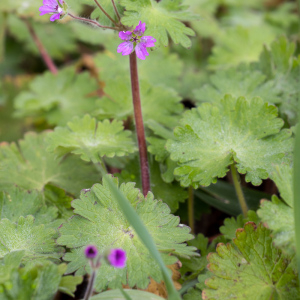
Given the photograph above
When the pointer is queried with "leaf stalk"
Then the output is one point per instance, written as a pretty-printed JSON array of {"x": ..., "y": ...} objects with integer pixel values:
[
  {"x": 238, "y": 189},
  {"x": 103, "y": 10}
]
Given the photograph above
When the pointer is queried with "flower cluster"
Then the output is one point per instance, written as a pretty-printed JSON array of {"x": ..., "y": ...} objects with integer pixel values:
[
  {"x": 116, "y": 257},
  {"x": 136, "y": 41},
  {"x": 54, "y": 7}
]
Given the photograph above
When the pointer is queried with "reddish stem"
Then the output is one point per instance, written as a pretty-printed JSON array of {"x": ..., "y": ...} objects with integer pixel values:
[
  {"x": 46, "y": 57},
  {"x": 139, "y": 123}
]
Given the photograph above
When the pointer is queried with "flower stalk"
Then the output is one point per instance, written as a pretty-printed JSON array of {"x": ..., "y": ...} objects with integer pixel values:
[
  {"x": 44, "y": 54},
  {"x": 140, "y": 131},
  {"x": 191, "y": 209},
  {"x": 116, "y": 10},
  {"x": 102, "y": 9},
  {"x": 92, "y": 22}
]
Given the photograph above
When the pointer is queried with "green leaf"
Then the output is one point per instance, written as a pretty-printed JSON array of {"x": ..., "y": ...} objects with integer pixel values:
[
  {"x": 9, "y": 262},
  {"x": 254, "y": 267},
  {"x": 169, "y": 193},
  {"x": 59, "y": 106},
  {"x": 214, "y": 136},
  {"x": 58, "y": 39},
  {"x": 239, "y": 44},
  {"x": 192, "y": 294},
  {"x": 134, "y": 295},
  {"x": 222, "y": 195},
  {"x": 231, "y": 225},
  {"x": 17, "y": 202},
  {"x": 36, "y": 240},
  {"x": 279, "y": 64},
  {"x": 157, "y": 144},
  {"x": 111, "y": 65},
  {"x": 68, "y": 284},
  {"x": 161, "y": 18},
  {"x": 280, "y": 219},
  {"x": 100, "y": 221},
  {"x": 98, "y": 139},
  {"x": 250, "y": 84},
  {"x": 31, "y": 167},
  {"x": 279, "y": 216},
  {"x": 39, "y": 282},
  {"x": 118, "y": 102}
]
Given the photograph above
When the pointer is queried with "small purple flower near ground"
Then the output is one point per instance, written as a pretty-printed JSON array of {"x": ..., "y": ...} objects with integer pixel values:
[
  {"x": 91, "y": 251},
  {"x": 53, "y": 7},
  {"x": 134, "y": 40},
  {"x": 117, "y": 258}
]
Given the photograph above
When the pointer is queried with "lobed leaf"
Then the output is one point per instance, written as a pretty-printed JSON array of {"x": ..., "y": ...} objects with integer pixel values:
[
  {"x": 74, "y": 95},
  {"x": 214, "y": 136},
  {"x": 161, "y": 18},
  {"x": 117, "y": 102},
  {"x": 100, "y": 221},
  {"x": 254, "y": 267},
  {"x": 86, "y": 137},
  {"x": 36, "y": 240},
  {"x": 31, "y": 167},
  {"x": 169, "y": 193}
]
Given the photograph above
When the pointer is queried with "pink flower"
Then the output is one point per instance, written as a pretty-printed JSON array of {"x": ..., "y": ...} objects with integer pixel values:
[
  {"x": 54, "y": 7},
  {"x": 134, "y": 40},
  {"x": 90, "y": 251},
  {"x": 117, "y": 258}
]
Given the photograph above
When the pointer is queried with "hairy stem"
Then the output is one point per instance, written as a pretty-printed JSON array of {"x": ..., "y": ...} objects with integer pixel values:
[
  {"x": 191, "y": 209},
  {"x": 90, "y": 287},
  {"x": 45, "y": 56},
  {"x": 116, "y": 10},
  {"x": 92, "y": 22},
  {"x": 139, "y": 123},
  {"x": 102, "y": 9},
  {"x": 238, "y": 189}
]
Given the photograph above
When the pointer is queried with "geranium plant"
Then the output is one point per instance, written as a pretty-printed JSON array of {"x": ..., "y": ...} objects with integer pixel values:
[{"x": 149, "y": 150}]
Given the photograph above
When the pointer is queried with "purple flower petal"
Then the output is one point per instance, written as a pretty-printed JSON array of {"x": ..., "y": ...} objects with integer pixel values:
[
  {"x": 140, "y": 29},
  {"x": 125, "y": 35},
  {"x": 148, "y": 41},
  {"x": 125, "y": 48},
  {"x": 91, "y": 251},
  {"x": 55, "y": 17},
  {"x": 141, "y": 51},
  {"x": 117, "y": 258}
]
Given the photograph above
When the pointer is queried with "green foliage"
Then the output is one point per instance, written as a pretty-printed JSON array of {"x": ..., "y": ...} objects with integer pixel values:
[
  {"x": 162, "y": 19},
  {"x": 36, "y": 282},
  {"x": 231, "y": 225},
  {"x": 222, "y": 195},
  {"x": 239, "y": 44},
  {"x": 250, "y": 84},
  {"x": 36, "y": 240},
  {"x": 158, "y": 103},
  {"x": 18, "y": 202},
  {"x": 86, "y": 137},
  {"x": 279, "y": 64},
  {"x": 110, "y": 65},
  {"x": 214, "y": 136},
  {"x": 279, "y": 216},
  {"x": 192, "y": 294},
  {"x": 254, "y": 267},
  {"x": 74, "y": 95},
  {"x": 133, "y": 294},
  {"x": 157, "y": 143},
  {"x": 169, "y": 193},
  {"x": 99, "y": 221},
  {"x": 30, "y": 166},
  {"x": 65, "y": 39}
]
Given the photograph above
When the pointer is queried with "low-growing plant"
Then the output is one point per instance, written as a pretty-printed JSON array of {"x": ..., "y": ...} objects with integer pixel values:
[{"x": 168, "y": 174}]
